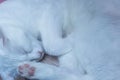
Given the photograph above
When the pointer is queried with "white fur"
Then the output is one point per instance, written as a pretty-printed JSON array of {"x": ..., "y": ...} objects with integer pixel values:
[{"x": 94, "y": 41}]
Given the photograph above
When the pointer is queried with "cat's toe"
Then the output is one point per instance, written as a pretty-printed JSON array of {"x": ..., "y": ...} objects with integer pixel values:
[
  {"x": 31, "y": 71},
  {"x": 26, "y": 70}
]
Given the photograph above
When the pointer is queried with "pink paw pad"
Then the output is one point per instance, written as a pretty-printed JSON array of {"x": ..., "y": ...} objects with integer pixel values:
[
  {"x": 31, "y": 71},
  {"x": 26, "y": 70}
]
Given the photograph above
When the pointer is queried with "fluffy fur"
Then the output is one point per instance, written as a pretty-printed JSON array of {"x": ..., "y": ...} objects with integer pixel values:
[{"x": 91, "y": 48}]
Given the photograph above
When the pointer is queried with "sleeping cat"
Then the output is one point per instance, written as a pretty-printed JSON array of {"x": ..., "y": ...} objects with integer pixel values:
[
  {"x": 21, "y": 34},
  {"x": 10, "y": 57},
  {"x": 89, "y": 52},
  {"x": 17, "y": 28}
]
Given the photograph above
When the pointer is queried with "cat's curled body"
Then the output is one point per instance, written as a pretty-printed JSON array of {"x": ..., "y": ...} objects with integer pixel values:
[
  {"x": 95, "y": 40},
  {"x": 22, "y": 25}
]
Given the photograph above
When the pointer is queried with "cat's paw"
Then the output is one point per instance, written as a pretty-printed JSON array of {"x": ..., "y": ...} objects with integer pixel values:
[
  {"x": 36, "y": 70},
  {"x": 37, "y": 54},
  {"x": 41, "y": 54},
  {"x": 26, "y": 70}
]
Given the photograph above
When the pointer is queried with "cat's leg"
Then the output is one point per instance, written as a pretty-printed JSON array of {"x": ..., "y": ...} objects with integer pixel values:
[
  {"x": 53, "y": 42},
  {"x": 50, "y": 27},
  {"x": 41, "y": 71},
  {"x": 55, "y": 45}
]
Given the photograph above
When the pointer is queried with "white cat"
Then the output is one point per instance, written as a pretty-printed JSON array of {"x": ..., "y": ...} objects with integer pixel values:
[
  {"x": 19, "y": 33},
  {"x": 16, "y": 28},
  {"x": 10, "y": 57},
  {"x": 95, "y": 40}
]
